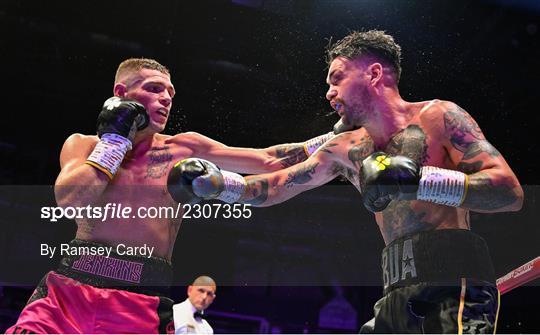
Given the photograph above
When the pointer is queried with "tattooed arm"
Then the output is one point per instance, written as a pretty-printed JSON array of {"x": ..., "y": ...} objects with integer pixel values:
[
  {"x": 273, "y": 188},
  {"x": 493, "y": 187},
  {"x": 243, "y": 160},
  {"x": 341, "y": 155}
]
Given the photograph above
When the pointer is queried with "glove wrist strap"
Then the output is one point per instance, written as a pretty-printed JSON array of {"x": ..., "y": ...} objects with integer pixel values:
[
  {"x": 235, "y": 185},
  {"x": 109, "y": 153},
  {"x": 310, "y": 146},
  {"x": 442, "y": 186}
]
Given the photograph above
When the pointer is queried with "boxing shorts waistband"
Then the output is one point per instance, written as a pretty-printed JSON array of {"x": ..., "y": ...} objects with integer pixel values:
[
  {"x": 439, "y": 257},
  {"x": 151, "y": 276}
]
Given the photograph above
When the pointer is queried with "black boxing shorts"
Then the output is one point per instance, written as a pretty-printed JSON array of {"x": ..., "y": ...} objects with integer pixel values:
[{"x": 439, "y": 281}]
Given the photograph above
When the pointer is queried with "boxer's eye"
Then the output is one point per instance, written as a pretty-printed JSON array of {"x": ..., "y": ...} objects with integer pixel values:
[
  {"x": 336, "y": 80},
  {"x": 155, "y": 88}
]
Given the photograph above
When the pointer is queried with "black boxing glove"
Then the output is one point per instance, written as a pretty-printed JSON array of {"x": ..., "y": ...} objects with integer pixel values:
[
  {"x": 117, "y": 124},
  {"x": 193, "y": 179},
  {"x": 386, "y": 178},
  {"x": 121, "y": 116}
]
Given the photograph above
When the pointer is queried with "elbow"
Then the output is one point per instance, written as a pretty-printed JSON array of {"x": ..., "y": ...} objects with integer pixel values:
[
  {"x": 514, "y": 200},
  {"x": 66, "y": 196},
  {"x": 271, "y": 164},
  {"x": 518, "y": 201},
  {"x": 264, "y": 204},
  {"x": 62, "y": 196},
  {"x": 510, "y": 192},
  {"x": 271, "y": 202}
]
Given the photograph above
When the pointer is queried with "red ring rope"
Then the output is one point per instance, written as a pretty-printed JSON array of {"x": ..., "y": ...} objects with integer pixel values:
[{"x": 520, "y": 276}]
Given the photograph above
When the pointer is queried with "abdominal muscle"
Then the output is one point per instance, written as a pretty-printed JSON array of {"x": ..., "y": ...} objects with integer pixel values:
[
  {"x": 402, "y": 218},
  {"x": 135, "y": 231}
]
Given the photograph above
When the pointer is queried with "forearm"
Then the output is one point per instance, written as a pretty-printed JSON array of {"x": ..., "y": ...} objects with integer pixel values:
[
  {"x": 270, "y": 189},
  {"x": 257, "y": 161},
  {"x": 256, "y": 192},
  {"x": 259, "y": 191},
  {"x": 82, "y": 186},
  {"x": 287, "y": 155},
  {"x": 489, "y": 192},
  {"x": 249, "y": 160},
  {"x": 244, "y": 160},
  {"x": 83, "y": 180},
  {"x": 195, "y": 179}
]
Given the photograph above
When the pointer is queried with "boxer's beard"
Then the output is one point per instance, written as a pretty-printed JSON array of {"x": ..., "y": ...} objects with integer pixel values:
[{"x": 358, "y": 112}]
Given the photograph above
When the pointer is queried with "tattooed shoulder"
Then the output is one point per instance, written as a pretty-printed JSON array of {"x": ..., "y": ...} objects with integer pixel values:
[{"x": 465, "y": 134}]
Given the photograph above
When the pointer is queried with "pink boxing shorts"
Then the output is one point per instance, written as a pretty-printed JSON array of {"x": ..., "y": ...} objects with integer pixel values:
[{"x": 98, "y": 294}]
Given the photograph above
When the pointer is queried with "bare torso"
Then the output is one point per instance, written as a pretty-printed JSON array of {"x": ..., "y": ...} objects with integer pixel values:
[
  {"x": 141, "y": 182},
  {"x": 418, "y": 141}
]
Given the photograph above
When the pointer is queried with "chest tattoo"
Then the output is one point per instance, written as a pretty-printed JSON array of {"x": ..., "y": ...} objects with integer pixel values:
[
  {"x": 159, "y": 160},
  {"x": 360, "y": 151},
  {"x": 399, "y": 218},
  {"x": 410, "y": 142}
]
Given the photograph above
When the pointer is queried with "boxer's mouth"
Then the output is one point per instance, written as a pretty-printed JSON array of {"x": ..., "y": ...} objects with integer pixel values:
[
  {"x": 338, "y": 107},
  {"x": 163, "y": 112}
]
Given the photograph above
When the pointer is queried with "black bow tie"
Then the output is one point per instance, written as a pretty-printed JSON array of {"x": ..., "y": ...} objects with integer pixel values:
[{"x": 198, "y": 314}]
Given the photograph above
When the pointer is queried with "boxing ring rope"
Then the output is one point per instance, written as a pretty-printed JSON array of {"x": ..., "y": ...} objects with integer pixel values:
[{"x": 519, "y": 276}]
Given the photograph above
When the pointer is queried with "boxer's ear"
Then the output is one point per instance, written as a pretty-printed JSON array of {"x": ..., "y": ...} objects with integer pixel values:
[
  {"x": 120, "y": 90},
  {"x": 375, "y": 71}
]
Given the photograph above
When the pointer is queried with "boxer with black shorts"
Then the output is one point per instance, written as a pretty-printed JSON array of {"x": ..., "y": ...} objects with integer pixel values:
[
  {"x": 127, "y": 163},
  {"x": 421, "y": 167}
]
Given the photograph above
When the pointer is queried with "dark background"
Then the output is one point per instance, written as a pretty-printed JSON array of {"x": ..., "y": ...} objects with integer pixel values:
[{"x": 252, "y": 73}]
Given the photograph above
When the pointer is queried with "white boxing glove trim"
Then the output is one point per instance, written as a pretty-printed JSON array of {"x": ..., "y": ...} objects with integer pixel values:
[
  {"x": 109, "y": 153},
  {"x": 310, "y": 146},
  {"x": 442, "y": 186},
  {"x": 235, "y": 186}
]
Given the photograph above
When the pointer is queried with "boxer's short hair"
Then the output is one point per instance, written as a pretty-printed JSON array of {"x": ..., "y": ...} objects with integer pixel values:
[
  {"x": 133, "y": 65},
  {"x": 375, "y": 43}
]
